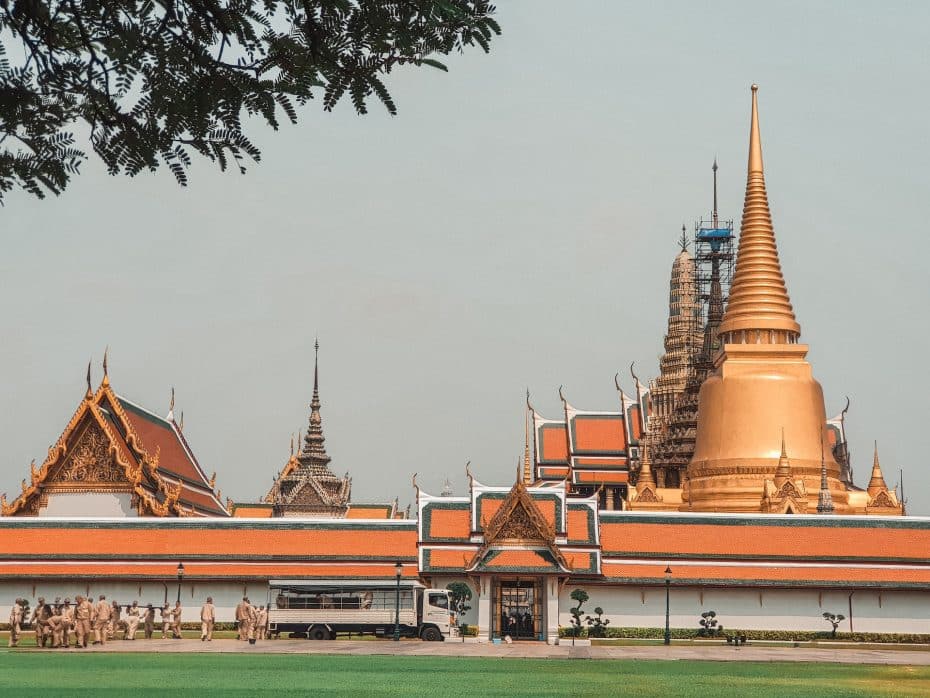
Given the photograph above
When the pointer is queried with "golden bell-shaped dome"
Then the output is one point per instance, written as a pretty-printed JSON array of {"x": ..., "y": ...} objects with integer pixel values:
[{"x": 761, "y": 380}]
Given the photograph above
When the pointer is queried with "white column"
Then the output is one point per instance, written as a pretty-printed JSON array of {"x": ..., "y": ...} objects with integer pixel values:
[
  {"x": 484, "y": 609},
  {"x": 552, "y": 610}
]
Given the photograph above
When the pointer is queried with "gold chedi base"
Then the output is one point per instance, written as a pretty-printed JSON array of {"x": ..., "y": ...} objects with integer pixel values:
[{"x": 756, "y": 391}]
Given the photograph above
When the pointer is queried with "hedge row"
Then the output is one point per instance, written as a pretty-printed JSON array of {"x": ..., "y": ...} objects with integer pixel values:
[{"x": 776, "y": 635}]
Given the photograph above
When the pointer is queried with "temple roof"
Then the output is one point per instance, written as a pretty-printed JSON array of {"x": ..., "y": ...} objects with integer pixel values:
[
  {"x": 306, "y": 485},
  {"x": 111, "y": 444}
]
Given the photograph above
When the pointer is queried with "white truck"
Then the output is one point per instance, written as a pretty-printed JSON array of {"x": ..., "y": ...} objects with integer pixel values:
[{"x": 319, "y": 609}]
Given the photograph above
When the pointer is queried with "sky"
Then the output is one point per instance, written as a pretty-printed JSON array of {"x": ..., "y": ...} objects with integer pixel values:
[{"x": 512, "y": 227}]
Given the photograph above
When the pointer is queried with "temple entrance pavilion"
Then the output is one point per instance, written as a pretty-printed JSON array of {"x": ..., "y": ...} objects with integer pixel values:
[{"x": 517, "y": 609}]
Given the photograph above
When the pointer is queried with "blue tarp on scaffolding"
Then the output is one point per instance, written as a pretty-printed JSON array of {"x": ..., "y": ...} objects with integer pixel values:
[{"x": 714, "y": 233}]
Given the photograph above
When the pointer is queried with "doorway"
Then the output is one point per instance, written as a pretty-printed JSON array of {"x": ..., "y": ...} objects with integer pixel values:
[{"x": 518, "y": 610}]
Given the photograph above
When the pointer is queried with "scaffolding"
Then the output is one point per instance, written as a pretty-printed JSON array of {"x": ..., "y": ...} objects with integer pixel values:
[{"x": 714, "y": 246}]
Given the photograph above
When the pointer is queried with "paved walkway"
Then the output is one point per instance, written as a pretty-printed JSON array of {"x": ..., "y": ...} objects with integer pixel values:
[{"x": 756, "y": 653}]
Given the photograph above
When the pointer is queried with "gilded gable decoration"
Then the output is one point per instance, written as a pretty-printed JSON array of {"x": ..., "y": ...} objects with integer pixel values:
[
  {"x": 517, "y": 524},
  {"x": 101, "y": 451}
]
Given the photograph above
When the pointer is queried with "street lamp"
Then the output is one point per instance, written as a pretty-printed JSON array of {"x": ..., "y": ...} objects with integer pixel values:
[
  {"x": 668, "y": 583},
  {"x": 180, "y": 577},
  {"x": 398, "y": 571}
]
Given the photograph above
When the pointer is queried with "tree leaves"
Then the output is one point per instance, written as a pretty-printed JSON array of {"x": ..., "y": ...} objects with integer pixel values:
[{"x": 153, "y": 81}]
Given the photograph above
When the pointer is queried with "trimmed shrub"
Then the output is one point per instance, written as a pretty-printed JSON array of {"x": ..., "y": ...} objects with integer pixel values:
[{"x": 773, "y": 635}]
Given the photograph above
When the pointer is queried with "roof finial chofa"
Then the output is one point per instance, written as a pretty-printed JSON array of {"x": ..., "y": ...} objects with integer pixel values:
[
  {"x": 825, "y": 501},
  {"x": 106, "y": 372},
  {"x": 89, "y": 394}
]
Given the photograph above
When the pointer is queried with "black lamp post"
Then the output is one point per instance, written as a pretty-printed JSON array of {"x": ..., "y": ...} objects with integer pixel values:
[
  {"x": 398, "y": 571},
  {"x": 668, "y": 583},
  {"x": 180, "y": 577}
]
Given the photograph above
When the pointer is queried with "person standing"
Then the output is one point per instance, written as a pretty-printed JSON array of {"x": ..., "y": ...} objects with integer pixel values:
[
  {"x": 102, "y": 620},
  {"x": 242, "y": 618},
  {"x": 253, "y": 622},
  {"x": 115, "y": 621},
  {"x": 16, "y": 622},
  {"x": 132, "y": 620},
  {"x": 176, "y": 621},
  {"x": 262, "y": 627},
  {"x": 165, "y": 621},
  {"x": 82, "y": 621},
  {"x": 39, "y": 617},
  {"x": 148, "y": 621},
  {"x": 207, "y": 619}
]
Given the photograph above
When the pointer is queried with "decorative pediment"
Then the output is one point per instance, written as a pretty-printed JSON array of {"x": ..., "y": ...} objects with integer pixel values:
[
  {"x": 883, "y": 500},
  {"x": 99, "y": 451},
  {"x": 89, "y": 463},
  {"x": 517, "y": 523},
  {"x": 790, "y": 498}
]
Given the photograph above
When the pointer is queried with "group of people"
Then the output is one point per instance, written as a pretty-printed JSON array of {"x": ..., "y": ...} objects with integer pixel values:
[
  {"x": 89, "y": 622},
  {"x": 251, "y": 622}
]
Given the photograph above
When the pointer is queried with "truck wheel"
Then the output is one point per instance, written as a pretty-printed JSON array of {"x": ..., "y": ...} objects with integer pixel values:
[
  {"x": 431, "y": 634},
  {"x": 318, "y": 632}
]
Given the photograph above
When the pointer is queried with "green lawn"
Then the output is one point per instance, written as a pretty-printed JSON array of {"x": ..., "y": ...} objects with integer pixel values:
[{"x": 51, "y": 674}]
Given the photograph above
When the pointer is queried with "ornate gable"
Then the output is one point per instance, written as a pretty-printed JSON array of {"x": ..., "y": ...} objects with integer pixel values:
[
  {"x": 100, "y": 451},
  {"x": 518, "y": 523}
]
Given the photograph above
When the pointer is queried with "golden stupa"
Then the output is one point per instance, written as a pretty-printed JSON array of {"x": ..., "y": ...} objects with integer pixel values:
[{"x": 762, "y": 393}]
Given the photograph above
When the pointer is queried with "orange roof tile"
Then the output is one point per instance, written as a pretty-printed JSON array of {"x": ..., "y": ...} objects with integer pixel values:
[
  {"x": 553, "y": 443},
  {"x": 451, "y": 523},
  {"x": 209, "y": 540},
  {"x": 598, "y": 434},
  {"x": 774, "y": 538}
]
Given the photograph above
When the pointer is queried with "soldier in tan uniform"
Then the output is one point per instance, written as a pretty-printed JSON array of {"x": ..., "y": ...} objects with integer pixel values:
[
  {"x": 102, "y": 620},
  {"x": 67, "y": 622},
  {"x": 16, "y": 622},
  {"x": 176, "y": 621},
  {"x": 148, "y": 621},
  {"x": 54, "y": 626},
  {"x": 133, "y": 615},
  {"x": 165, "y": 621},
  {"x": 81, "y": 621},
  {"x": 242, "y": 618},
  {"x": 261, "y": 628},
  {"x": 207, "y": 619},
  {"x": 115, "y": 621},
  {"x": 39, "y": 616},
  {"x": 253, "y": 622}
]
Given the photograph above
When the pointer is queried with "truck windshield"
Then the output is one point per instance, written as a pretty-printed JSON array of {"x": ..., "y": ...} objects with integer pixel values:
[{"x": 439, "y": 601}]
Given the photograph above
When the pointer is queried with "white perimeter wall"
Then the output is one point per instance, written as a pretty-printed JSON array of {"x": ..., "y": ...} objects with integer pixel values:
[
  {"x": 751, "y": 609},
  {"x": 225, "y": 595},
  {"x": 738, "y": 609}
]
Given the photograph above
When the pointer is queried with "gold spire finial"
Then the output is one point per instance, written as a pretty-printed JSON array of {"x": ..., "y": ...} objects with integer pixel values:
[
  {"x": 759, "y": 309},
  {"x": 527, "y": 468},
  {"x": 106, "y": 372},
  {"x": 877, "y": 482},
  {"x": 783, "y": 471},
  {"x": 645, "y": 477},
  {"x": 90, "y": 393}
]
